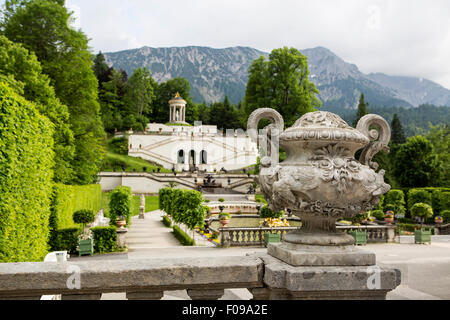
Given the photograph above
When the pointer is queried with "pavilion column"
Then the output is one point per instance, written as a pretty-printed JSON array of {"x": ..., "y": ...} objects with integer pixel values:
[{"x": 170, "y": 116}]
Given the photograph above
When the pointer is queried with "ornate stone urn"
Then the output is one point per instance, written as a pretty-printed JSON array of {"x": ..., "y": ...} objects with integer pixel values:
[{"x": 321, "y": 181}]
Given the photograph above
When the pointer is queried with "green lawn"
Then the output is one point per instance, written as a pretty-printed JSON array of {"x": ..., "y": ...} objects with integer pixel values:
[
  {"x": 151, "y": 204},
  {"x": 116, "y": 161}
]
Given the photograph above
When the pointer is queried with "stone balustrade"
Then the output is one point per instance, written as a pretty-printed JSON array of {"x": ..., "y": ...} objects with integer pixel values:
[
  {"x": 384, "y": 233},
  {"x": 239, "y": 237},
  {"x": 253, "y": 237},
  {"x": 203, "y": 278}
]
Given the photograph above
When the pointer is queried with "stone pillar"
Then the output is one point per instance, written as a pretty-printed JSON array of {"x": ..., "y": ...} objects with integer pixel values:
[
  {"x": 225, "y": 238},
  {"x": 122, "y": 237},
  {"x": 148, "y": 295},
  {"x": 142, "y": 208},
  {"x": 170, "y": 114},
  {"x": 390, "y": 232},
  {"x": 205, "y": 294}
]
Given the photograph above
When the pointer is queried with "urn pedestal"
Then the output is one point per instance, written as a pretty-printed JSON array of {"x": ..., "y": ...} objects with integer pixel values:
[{"x": 320, "y": 181}]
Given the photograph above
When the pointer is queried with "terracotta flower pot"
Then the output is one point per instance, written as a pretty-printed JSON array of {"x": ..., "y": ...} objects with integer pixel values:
[
  {"x": 389, "y": 220},
  {"x": 121, "y": 223}
]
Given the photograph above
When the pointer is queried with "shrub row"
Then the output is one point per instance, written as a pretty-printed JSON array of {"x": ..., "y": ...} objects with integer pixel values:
[
  {"x": 184, "y": 239},
  {"x": 26, "y": 162},
  {"x": 401, "y": 201},
  {"x": 105, "y": 239},
  {"x": 69, "y": 199},
  {"x": 184, "y": 206},
  {"x": 167, "y": 222},
  {"x": 65, "y": 240}
]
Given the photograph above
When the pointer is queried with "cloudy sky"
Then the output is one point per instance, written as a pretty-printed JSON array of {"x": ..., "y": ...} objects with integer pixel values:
[{"x": 397, "y": 37}]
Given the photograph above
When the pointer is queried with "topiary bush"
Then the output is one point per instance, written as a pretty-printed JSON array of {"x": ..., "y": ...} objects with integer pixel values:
[
  {"x": 422, "y": 211},
  {"x": 418, "y": 196},
  {"x": 377, "y": 214},
  {"x": 120, "y": 204},
  {"x": 26, "y": 173},
  {"x": 445, "y": 214},
  {"x": 395, "y": 199},
  {"x": 105, "y": 239},
  {"x": 224, "y": 216},
  {"x": 266, "y": 212},
  {"x": 64, "y": 240},
  {"x": 84, "y": 217}
]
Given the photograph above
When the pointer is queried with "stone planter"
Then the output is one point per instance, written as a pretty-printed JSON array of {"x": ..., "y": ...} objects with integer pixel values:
[
  {"x": 360, "y": 237},
  {"x": 271, "y": 237},
  {"x": 422, "y": 236},
  {"x": 224, "y": 222},
  {"x": 85, "y": 247},
  {"x": 389, "y": 220},
  {"x": 121, "y": 224}
]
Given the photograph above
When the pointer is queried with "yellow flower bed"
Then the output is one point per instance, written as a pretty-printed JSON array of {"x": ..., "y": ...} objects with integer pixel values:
[{"x": 273, "y": 223}]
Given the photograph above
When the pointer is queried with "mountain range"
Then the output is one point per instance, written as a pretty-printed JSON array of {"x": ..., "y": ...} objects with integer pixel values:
[{"x": 216, "y": 73}]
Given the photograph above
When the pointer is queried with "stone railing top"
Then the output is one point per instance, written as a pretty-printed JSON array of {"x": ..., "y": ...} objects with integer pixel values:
[{"x": 25, "y": 279}]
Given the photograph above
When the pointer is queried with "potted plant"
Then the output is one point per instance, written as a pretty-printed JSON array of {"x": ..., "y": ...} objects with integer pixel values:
[
  {"x": 85, "y": 240},
  {"x": 121, "y": 222},
  {"x": 389, "y": 217},
  {"x": 438, "y": 220},
  {"x": 224, "y": 219},
  {"x": 422, "y": 211}
]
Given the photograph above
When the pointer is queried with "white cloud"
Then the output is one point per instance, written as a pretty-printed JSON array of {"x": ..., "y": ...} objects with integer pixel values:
[{"x": 398, "y": 37}]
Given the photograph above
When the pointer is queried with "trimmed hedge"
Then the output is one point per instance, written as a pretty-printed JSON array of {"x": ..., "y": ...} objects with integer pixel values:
[
  {"x": 167, "y": 222},
  {"x": 120, "y": 204},
  {"x": 26, "y": 173},
  {"x": 65, "y": 240},
  {"x": 184, "y": 206},
  {"x": 69, "y": 199},
  {"x": 184, "y": 239},
  {"x": 105, "y": 239}
]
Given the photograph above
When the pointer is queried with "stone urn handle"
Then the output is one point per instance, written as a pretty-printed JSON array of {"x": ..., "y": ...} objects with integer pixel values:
[
  {"x": 277, "y": 123},
  {"x": 379, "y": 139}
]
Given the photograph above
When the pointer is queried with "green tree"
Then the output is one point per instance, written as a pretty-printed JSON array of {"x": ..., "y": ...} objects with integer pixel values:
[
  {"x": 398, "y": 135},
  {"x": 101, "y": 69},
  {"x": 22, "y": 71},
  {"x": 439, "y": 136},
  {"x": 415, "y": 163},
  {"x": 165, "y": 92},
  {"x": 44, "y": 27},
  {"x": 224, "y": 115},
  {"x": 362, "y": 110},
  {"x": 140, "y": 92},
  {"x": 203, "y": 113},
  {"x": 281, "y": 83}
]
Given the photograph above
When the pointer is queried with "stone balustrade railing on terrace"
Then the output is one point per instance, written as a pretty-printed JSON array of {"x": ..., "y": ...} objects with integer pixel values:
[
  {"x": 203, "y": 278},
  {"x": 237, "y": 237}
]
